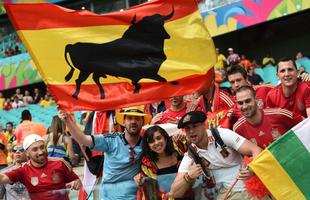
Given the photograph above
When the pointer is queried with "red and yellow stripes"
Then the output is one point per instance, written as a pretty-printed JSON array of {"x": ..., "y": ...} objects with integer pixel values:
[
  {"x": 46, "y": 29},
  {"x": 43, "y": 15}
]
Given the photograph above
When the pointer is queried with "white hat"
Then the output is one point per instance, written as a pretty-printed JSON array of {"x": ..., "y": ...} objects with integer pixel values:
[
  {"x": 30, "y": 139},
  {"x": 230, "y": 49}
]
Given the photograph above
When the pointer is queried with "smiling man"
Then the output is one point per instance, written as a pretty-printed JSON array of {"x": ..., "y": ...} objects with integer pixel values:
[
  {"x": 291, "y": 94},
  {"x": 172, "y": 115},
  {"x": 17, "y": 190},
  {"x": 122, "y": 152},
  {"x": 261, "y": 126},
  {"x": 224, "y": 166},
  {"x": 45, "y": 178}
]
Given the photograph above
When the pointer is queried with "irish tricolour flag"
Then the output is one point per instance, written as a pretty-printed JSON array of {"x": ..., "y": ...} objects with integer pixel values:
[{"x": 284, "y": 167}]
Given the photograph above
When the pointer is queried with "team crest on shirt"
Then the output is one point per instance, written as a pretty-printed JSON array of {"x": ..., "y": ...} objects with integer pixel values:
[
  {"x": 260, "y": 103},
  {"x": 34, "y": 181},
  {"x": 261, "y": 133},
  {"x": 56, "y": 177},
  {"x": 275, "y": 133}
]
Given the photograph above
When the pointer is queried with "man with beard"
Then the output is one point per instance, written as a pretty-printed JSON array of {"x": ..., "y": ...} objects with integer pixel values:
[
  {"x": 122, "y": 152},
  {"x": 17, "y": 190},
  {"x": 45, "y": 178},
  {"x": 291, "y": 94},
  {"x": 261, "y": 126},
  {"x": 223, "y": 162}
]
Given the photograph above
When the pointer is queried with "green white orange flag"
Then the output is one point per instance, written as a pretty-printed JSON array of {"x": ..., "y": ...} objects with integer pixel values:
[
  {"x": 88, "y": 61},
  {"x": 284, "y": 166}
]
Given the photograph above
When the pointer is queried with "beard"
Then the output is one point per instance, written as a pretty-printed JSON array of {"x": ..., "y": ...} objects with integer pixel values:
[
  {"x": 39, "y": 159},
  {"x": 133, "y": 129},
  {"x": 249, "y": 114}
]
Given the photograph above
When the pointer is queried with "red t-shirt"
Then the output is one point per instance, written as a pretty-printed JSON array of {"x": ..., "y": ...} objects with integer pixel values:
[
  {"x": 47, "y": 182},
  {"x": 261, "y": 93},
  {"x": 275, "y": 122},
  {"x": 297, "y": 102},
  {"x": 170, "y": 114},
  {"x": 221, "y": 101}
]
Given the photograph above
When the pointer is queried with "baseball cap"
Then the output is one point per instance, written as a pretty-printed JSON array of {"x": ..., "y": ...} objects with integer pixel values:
[
  {"x": 30, "y": 139},
  {"x": 192, "y": 118},
  {"x": 230, "y": 49}
]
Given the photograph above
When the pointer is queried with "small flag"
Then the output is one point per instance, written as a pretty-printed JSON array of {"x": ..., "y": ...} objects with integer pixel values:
[{"x": 284, "y": 166}]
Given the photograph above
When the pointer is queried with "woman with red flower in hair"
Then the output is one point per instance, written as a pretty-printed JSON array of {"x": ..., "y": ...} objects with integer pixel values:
[{"x": 160, "y": 162}]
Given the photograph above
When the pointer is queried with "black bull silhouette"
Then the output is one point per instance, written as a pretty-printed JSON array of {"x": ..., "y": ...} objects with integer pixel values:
[{"x": 138, "y": 54}]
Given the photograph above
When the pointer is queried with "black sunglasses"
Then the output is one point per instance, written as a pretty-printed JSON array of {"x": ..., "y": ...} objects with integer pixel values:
[{"x": 15, "y": 150}]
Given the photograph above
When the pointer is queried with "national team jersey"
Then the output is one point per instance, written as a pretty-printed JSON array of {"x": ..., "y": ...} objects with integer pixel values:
[
  {"x": 170, "y": 114},
  {"x": 221, "y": 101},
  {"x": 274, "y": 123},
  {"x": 47, "y": 182},
  {"x": 261, "y": 93},
  {"x": 298, "y": 102}
]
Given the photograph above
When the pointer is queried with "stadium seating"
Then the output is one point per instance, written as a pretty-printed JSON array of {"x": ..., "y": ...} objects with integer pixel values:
[
  {"x": 39, "y": 114},
  {"x": 268, "y": 74}
]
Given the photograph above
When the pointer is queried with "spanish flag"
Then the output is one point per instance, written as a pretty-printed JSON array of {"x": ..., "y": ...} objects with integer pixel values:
[
  {"x": 147, "y": 53},
  {"x": 284, "y": 166}
]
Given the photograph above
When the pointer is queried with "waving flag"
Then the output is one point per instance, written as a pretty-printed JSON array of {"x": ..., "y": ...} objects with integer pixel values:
[
  {"x": 284, "y": 166},
  {"x": 88, "y": 61}
]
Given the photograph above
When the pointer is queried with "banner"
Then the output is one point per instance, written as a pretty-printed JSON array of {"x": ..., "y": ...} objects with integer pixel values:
[
  {"x": 284, "y": 166},
  {"x": 150, "y": 52}
]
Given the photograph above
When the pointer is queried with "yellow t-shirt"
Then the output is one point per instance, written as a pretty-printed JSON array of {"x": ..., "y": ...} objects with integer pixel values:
[
  {"x": 1, "y": 102},
  {"x": 45, "y": 103},
  {"x": 219, "y": 65},
  {"x": 267, "y": 60}
]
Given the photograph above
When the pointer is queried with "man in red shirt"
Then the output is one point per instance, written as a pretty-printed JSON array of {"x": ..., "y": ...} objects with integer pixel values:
[
  {"x": 238, "y": 77},
  {"x": 172, "y": 115},
  {"x": 291, "y": 94},
  {"x": 45, "y": 178},
  {"x": 261, "y": 126}
]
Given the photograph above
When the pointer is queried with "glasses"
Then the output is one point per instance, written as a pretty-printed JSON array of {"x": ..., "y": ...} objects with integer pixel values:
[
  {"x": 16, "y": 150},
  {"x": 132, "y": 154}
]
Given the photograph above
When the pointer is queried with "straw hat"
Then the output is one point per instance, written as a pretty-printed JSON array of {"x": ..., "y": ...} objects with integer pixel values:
[{"x": 132, "y": 111}]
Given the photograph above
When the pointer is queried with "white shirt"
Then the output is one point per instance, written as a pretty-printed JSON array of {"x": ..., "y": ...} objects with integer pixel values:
[{"x": 225, "y": 170}]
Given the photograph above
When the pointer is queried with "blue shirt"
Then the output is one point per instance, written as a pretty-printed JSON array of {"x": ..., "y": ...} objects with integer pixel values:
[{"x": 117, "y": 166}]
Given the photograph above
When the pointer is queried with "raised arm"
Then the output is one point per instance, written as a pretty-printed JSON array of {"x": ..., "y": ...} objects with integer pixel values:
[{"x": 76, "y": 133}]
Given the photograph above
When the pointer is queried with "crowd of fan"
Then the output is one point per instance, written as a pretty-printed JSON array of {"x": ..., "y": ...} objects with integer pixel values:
[
  {"x": 136, "y": 141},
  {"x": 224, "y": 62},
  {"x": 10, "y": 45},
  {"x": 19, "y": 100}
]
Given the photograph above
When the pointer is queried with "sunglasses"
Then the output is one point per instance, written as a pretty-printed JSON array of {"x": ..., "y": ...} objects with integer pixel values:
[
  {"x": 132, "y": 154},
  {"x": 16, "y": 150}
]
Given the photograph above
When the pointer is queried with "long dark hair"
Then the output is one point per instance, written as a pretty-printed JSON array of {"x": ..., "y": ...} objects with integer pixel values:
[
  {"x": 58, "y": 128},
  {"x": 149, "y": 136}
]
